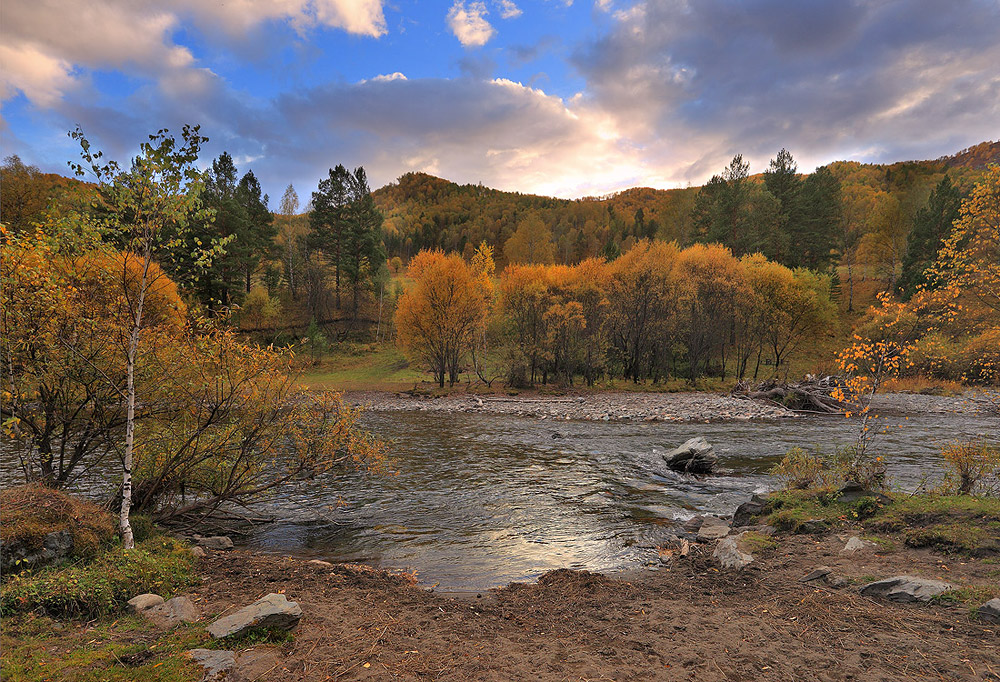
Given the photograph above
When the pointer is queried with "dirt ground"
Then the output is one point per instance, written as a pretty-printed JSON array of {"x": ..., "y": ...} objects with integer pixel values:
[{"x": 690, "y": 621}]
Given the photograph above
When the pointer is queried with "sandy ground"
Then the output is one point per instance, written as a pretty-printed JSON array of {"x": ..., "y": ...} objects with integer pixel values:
[{"x": 690, "y": 621}]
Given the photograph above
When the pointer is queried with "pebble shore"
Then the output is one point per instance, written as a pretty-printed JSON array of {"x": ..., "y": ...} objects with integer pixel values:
[{"x": 616, "y": 406}]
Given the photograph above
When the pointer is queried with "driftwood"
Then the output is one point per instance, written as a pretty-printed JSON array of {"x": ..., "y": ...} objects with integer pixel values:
[{"x": 812, "y": 394}]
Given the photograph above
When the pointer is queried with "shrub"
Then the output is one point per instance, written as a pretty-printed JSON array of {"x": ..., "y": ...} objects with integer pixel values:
[
  {"x": 975, "y": 466},
  {"x": 159, "y": 565},
  {"x": 30, "y": 512}
]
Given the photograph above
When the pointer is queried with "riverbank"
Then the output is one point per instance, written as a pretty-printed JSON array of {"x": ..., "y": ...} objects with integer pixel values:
[
  {"x": 587, "y": 406},
  {"x": 687, "y": 620}
]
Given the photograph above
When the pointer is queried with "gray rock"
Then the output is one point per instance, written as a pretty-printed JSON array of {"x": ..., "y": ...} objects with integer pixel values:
[
  {"x": 748, "y": 511},
  {"x": 215, "y": 663},
  {"x": 729, "y": 555},
  {"x": 693, "y": 524},
  {"x": 713, "y": 528},
  {"x": 759, "y": 530},
  {"x": 813, "y": 527},
  {"x": 855, "y": 544},
  {"x": 695, "y": 456},
  {"x": 272, "y": 611},
  {"x": 172, "y": 612},
  {"x": 143, "y": 601},
  {"x": 217, "y": 542},
  {"x": 990, "y": 611},
  {"x": 816, "y": 574},
  {"x": 320, "y": 563},
  {"x": 56, "y": 546},
  {"x": 905, "y": 588},
  {"x": 198, "y": 552},
  {"x": 836, "y": 581},
  {"x": 852, "y": 492}
]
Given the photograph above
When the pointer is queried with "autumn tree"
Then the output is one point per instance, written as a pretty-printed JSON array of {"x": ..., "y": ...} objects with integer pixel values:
[
  {"x": 289, "y": 237},
  {"x": 530, "y": 243},
  {"x": 24, "y": 193},
  {"x": 438, "y": 316}
]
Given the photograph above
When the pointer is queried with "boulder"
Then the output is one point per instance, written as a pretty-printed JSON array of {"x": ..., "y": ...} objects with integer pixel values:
[
  {"x": 729, "y": 555},
  {"x": 990, "y": 611},
  {"x": 55, "y": 547},
  {"x": 905, "y": 588},
  {"x": 142, "y": 602},
  {"x": 272, "y": 611},
  {"x": 172, "y": 612},
  {"x": 747, "y": 512},
  {"x": 852, "y": 492},
  {"x": 713, "y": 528},
  {"x": 215, "y": 663},
  {"x": 695, "y": 456},
  {"x": 216, "y": 542}
]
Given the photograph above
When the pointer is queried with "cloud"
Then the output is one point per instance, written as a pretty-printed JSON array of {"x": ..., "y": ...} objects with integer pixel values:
[
  {"x": 47, "y": 44},
  {"x": 508, "y": 10},
  {"x": 469, "y": 25},
  {"x": 696, "y": 82}
]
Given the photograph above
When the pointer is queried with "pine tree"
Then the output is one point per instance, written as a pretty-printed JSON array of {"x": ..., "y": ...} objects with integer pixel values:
[
  {"x": 930, "y": 227},
  {"x": 328, "y": 219},
  {"x": 820, "y": 215}
]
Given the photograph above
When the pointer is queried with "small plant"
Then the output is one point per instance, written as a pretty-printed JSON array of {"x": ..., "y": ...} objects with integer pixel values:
[
  {"x": 801, "y": 470},
  {"x": 975, "y": 468}
]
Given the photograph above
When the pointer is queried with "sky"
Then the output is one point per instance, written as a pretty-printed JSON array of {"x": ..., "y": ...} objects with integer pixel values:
[{"x": 567, "y": 98}]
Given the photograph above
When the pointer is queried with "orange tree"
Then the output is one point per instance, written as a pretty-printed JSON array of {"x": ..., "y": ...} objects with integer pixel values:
[{"x": 438, "y": 316}]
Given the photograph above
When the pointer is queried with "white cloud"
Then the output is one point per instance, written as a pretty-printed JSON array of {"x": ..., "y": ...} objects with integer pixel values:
[
  {"x": 509, "y": 10},
  {"x": 395, "y": 76},
  {"x": 46, "y": 43},
  {"x": 469, "y": 24}
]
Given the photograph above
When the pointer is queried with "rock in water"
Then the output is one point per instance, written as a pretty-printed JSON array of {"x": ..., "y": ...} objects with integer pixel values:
[
  {"x": 990, "y": 611},
  {"x": 905, "y": 588},
  {"x": 729, "y": 555},
  {"x": 272, "y": 611},
  {"x": 694, "y": 457}
]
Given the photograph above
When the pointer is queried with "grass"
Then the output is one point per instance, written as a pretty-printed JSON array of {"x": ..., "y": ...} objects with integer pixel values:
[
  {"x": 924, "y": 385},
  {"x": 364, "y": 367},
  {"x": 100, "y": 587},
  {"x": 38, "y": 648},
  {"x": 30, "y": 512},
  {"x": 950, "y": 523},
  {"x": 758, "y": 543},
  {"x": 972, "y": 595}
]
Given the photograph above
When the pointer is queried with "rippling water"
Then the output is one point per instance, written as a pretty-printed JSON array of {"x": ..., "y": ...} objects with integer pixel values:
[{"x": 480, "y": 500}]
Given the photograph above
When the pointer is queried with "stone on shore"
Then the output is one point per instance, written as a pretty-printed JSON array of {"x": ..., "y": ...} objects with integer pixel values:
[
  {"x": 216, "y": 542},
  {"x": 747, "y": 512},
  {"x": 816, "y": 574},
  {"x": 273, "y": 611},
  {"x": 729, "y": 554},
  {"x": 990, "y": 611},
  {"x": 905, "y": 588},
  {"x": 854, "y": 545},
  {"x": 215, "y": 663},
  {"x": 320, "y": 563},
  {"x": 713, "y": 528},
  {"x": 172, "y": 612},
  {"x": 198, "y": 552},
  {"x": 142, "y": 602},
  {"x": 695, "y": 456}
]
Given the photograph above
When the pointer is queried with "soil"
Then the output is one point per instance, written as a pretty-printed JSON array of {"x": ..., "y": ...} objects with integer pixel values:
[{"x": 688, "y": 621}]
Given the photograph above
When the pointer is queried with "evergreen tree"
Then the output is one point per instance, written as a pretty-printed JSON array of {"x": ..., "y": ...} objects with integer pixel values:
[
  {"x": 362, "y": 253},
  {"x": 820, "y": 220},
  {"x": 930, "y": 227},
  {"x": 328, "y": 219}
]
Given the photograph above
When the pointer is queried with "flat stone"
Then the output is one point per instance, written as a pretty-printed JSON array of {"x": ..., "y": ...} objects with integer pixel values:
[
  {"x": 905, "y": 588},
  {"x": 855, "y": 544},
  {"x": 143, "y": 601},
  {"x": 216, "y": 542},
  {"x": 271, "y": 611},
  {"x": 693, "y": 524},
  {"x": 990, "y": 611},
  {"x": 320, "y": 563},
  {"x": 172, "y": 612},
  {"x": 215, "y": 663},
  {"x": 729, "y": 555},
  {"x": 713, "y": 528},
  {"x": 836, "y": 581},
  {"x": 816, "y": 574}
]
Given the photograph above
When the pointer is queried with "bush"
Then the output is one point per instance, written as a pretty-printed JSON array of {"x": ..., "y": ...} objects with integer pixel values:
[
  {"x": 975, "y": 467},
  {"x": 819, "y": 472},
  {"x": 159, "y": 565},
  {"x": 30, "y": 512}
]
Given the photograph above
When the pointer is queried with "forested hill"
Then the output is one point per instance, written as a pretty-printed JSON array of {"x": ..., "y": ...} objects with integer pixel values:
[{"x": 424, "y": 211}]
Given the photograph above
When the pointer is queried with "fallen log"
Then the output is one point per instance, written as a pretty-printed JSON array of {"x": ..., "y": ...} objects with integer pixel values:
[{"x": 812, "y": 394}]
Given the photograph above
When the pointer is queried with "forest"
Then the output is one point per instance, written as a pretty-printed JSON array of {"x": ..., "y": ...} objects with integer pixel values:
[{"x": 732, "y": 279}]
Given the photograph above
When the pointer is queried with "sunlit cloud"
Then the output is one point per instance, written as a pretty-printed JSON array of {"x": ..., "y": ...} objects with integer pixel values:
[{"x": 468, "y": 23}]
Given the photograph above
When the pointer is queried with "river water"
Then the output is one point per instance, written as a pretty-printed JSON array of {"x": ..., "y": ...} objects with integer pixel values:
[{"x": 479, "y": 500}]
